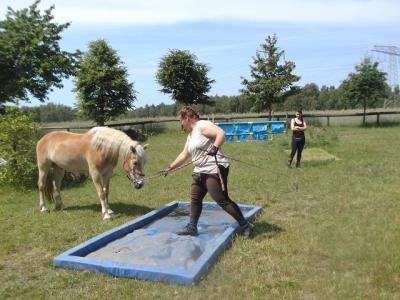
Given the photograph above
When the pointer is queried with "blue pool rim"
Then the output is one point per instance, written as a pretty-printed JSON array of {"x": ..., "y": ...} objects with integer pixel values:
[{"x": 75, "y": 257}]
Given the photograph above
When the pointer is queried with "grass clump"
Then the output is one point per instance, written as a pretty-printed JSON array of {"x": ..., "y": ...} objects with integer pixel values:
[{"x": 321, "y": 136}]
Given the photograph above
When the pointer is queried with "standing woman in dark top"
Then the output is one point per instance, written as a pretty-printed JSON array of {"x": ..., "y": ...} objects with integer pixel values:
[{"x": 297, "y": 125}]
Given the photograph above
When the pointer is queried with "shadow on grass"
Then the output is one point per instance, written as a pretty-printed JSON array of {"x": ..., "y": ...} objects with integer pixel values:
[
  {"x": 315, "y": 163},
  {"x": 118, "y": 208},
  {"x": 71, "y": 180},
  {"x": 266, "y": 229},
  {"x": 311, "y": 164}
]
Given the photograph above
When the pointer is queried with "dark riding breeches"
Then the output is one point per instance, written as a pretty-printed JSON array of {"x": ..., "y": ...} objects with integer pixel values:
[
  {"x": 203, "y": 183},
  {"x": 297, "y": 146}
]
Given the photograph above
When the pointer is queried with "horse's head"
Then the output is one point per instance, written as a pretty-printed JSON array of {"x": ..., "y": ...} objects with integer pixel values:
[{"x": 134, "y": 165}]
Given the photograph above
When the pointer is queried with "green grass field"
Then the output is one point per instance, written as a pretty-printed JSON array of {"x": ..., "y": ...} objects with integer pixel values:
[{"x": 329, "y": 230}]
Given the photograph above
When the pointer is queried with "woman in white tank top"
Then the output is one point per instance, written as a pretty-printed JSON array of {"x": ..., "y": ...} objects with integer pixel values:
[{"x": 211, "y": 169}]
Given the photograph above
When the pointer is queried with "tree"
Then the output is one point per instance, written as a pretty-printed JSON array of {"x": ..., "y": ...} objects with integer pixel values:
[
  {"x": 306, "y": 98},
  {"x": 394, "y": 98},
  {"x": 50, "y": 112},
  {"x": 102, "y": 85},
  {"x": 18, "y": 135},
  {"x": 184, "y": 78},
  {"x": 329, "y": 98},
  {"x": 271, "y": 82},
  {"x": 366, "y": 86},
  {"x": 31, "y": 61}
]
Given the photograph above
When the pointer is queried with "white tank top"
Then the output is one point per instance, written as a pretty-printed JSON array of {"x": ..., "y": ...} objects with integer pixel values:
[{"x": 196, "y": 143}]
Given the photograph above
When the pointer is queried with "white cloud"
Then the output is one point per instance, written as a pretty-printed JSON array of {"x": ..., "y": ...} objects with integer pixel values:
[{"x": 176, "y": 11}]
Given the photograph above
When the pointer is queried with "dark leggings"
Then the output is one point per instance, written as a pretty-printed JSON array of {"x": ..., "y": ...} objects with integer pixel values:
[
  {"x": 203, "y": 183},
  {"x": 297, "y": 145}
]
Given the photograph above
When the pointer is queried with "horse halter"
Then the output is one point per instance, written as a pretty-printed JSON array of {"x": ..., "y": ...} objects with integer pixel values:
[{"x": 137, "y": 179}]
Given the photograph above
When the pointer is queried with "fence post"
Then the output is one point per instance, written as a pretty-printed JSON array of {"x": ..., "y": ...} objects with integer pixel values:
[
  {"x": 327, "y": 120},
  {"x": 377, "y": 119}
]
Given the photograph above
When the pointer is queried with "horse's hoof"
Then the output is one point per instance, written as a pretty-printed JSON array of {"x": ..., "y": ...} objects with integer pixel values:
[
  {"x": 107, "y": 216},
  {"x": 44, "y": 210}
]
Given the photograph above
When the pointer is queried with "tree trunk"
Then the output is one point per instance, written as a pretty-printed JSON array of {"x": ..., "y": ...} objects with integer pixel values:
[
  {"x": 101, "y": 118},
  {"x": 365, "y": 109},
  {"x": 100, "y": 121}
]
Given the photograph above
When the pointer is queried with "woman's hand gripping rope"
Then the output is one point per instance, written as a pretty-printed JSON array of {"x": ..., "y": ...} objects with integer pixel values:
[
  {"x": 166, "y": 171},
  {"x": 213, "y": 151}
]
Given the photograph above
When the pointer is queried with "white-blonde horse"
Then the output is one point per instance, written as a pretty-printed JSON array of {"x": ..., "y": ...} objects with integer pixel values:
[{"x": 96, "y": 152}]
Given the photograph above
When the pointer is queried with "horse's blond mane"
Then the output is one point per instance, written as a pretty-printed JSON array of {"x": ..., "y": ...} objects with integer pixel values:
[{"x": 114, "y": 143}]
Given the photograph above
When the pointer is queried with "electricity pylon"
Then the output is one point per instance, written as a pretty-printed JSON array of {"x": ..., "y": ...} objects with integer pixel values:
[{"x": 393, "y": 53}]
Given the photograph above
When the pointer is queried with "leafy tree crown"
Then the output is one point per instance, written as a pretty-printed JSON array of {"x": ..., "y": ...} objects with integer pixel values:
[
  {"x": 366, "y": 86},
  {"x": 104, "y": 91},
  {"x": 184, "y": 78},
  {"x": 271, "y": 82},
  {"x": 31, "y": 61}
]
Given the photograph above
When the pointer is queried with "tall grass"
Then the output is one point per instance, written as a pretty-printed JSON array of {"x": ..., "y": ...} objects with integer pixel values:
[{"x": 328, "y": 231}]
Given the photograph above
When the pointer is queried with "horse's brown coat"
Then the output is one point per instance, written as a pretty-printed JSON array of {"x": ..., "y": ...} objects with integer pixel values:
[{"x": 95, "y": 152}]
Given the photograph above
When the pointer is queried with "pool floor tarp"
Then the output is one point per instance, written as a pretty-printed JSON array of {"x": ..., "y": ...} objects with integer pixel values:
[{"x": 149, "y": 248}]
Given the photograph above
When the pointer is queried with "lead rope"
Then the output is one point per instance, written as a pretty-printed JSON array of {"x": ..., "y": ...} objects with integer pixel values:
[
  {"x": 216, "y": 161},
  {"x": 221, "y": 180},
  {"x": 159, "y": 174}
]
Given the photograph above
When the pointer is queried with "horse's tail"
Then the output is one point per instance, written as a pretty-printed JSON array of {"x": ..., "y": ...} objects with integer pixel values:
[{"x": 49, "y": 187}]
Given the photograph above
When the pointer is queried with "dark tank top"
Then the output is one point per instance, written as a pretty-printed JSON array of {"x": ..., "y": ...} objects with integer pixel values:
[{"x": 298, "y": 134}]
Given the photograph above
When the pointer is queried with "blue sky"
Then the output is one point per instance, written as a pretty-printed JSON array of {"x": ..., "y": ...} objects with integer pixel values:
[{"x": 325, "y": 39}]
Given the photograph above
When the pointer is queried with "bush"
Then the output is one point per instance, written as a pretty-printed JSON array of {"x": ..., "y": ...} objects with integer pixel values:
[{"x": 18, "y": 137}]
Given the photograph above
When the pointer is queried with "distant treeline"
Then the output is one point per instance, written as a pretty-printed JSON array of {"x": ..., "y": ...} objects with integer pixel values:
[
  {"x": 310, "y": 98},
  {"x": 51, "y": 113}
]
